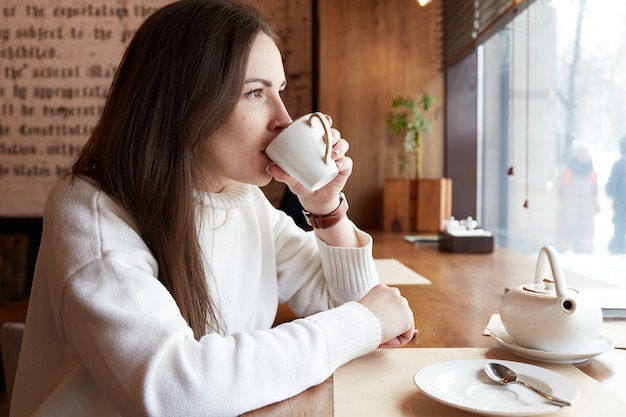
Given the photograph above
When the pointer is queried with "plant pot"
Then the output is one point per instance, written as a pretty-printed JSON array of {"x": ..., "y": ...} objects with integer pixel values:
[
  {"x": 399, "y": 205},
  {"x": 416, "y": 205},
  {"x": 434, "y": 204}
]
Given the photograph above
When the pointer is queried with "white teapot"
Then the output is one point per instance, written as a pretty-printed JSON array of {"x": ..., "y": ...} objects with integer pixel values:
[{"x": 547, "y": 315}]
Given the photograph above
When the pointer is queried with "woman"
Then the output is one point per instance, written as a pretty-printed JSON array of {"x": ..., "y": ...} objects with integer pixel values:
[{"x": 162, "y": 263}]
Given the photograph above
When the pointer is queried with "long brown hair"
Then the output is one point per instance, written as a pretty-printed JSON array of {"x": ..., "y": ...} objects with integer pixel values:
[{"x": 178, "y": 81}]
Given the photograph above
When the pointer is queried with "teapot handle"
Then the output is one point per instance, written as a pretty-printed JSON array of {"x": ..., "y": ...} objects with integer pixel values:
[{"x": 547, "y": 262}]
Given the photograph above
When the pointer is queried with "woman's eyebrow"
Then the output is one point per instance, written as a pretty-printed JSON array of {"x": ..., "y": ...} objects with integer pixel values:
[{"x": 265, "y": 82}]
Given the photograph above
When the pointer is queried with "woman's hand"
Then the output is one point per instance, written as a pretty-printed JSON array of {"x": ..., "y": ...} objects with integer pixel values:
[
  {"x": 326, "y": 199},
  {"x": 393, "y": 313}
]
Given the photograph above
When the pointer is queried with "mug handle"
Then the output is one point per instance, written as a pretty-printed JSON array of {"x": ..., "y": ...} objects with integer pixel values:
[{"x": 326, "y": 132}]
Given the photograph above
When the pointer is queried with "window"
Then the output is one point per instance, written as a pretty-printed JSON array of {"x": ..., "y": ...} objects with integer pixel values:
[{"x": 552, "y": 94}]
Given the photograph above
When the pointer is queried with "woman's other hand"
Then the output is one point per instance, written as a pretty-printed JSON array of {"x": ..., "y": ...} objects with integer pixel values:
[{"x": 392, "y": 310}]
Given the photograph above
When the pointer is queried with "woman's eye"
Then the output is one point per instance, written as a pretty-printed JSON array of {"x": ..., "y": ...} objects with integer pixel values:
[{"x": 254, "y": 94}]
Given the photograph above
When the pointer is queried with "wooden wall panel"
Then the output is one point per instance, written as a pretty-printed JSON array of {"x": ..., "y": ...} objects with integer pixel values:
[{"x": 371, "y": 51}]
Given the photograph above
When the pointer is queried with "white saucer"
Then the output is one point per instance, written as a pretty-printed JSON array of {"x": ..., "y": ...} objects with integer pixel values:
[
  {"x": 463, "y": 384},
  {"x": 600, "y": 345}
]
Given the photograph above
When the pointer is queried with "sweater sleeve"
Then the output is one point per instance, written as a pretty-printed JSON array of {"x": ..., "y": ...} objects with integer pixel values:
[
  {"x": 314, "y": 276},
  {"x": 140, "y": 352}
]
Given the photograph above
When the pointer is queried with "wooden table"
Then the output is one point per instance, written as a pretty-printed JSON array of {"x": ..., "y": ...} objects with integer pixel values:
[{"x": 466, "y": 290}]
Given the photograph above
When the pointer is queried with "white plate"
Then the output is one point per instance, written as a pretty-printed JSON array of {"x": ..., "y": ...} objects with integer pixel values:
[
  {"x": 600, "y": 345},
  {"x": 464, "y": 385}
]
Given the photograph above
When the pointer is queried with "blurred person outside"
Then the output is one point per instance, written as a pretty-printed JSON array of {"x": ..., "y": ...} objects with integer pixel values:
[
  {"x": 616, "y": 189},
  {"x": 578, "y": 202}
]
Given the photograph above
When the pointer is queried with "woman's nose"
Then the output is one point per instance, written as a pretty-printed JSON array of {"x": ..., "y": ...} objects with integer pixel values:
[{"x": 282, "y": 119}]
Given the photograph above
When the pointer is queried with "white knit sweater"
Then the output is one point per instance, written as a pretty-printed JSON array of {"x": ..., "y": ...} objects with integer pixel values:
[{"x": 105, "y": 338}]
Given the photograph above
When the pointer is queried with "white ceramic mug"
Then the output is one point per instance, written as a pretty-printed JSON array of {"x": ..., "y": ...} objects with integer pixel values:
[{"x": 303, "y": 150}]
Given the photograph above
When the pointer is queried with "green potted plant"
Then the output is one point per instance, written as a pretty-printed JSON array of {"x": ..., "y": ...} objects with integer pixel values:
[
  {"x": 409, "y": 117},
  {"x": 414, "y": 203}
]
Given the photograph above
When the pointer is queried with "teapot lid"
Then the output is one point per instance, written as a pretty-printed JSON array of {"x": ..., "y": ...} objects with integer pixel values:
[{"x": 546, "y": 287}]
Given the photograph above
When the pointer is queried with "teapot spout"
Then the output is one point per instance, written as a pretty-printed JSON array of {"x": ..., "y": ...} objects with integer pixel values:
[{"x": 548, "y": 263}]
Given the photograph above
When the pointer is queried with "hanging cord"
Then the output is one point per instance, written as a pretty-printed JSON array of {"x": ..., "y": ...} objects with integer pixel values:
[
  {"x": 511, "y": 170},
  {"x": 527, "y": 101}
]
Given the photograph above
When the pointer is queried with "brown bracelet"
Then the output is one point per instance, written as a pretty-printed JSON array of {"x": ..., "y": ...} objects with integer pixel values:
[{"x": 324, "y": 221}]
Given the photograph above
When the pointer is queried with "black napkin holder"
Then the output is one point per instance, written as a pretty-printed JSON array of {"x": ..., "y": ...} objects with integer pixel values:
[{"x": 465, "y": 244}]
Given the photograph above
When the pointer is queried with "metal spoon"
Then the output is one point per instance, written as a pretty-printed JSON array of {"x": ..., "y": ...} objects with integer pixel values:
[{"x": 504, "y": 375}]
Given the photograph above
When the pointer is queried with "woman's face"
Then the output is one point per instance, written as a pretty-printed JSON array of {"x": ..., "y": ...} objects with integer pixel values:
[{"x": 236, "y": 152}]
